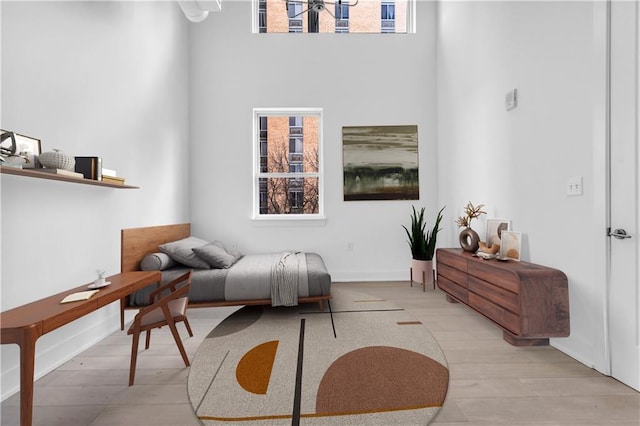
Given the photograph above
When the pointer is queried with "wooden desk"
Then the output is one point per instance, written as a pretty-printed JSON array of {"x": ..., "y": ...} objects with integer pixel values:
[{"x": 25, "y": 324}]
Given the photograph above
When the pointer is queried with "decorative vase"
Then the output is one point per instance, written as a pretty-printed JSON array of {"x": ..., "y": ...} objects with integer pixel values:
[
  {"x": 57, "y": 159},
  {"x": 422, "y": 272},
  {"x": 469, "y": 240}
]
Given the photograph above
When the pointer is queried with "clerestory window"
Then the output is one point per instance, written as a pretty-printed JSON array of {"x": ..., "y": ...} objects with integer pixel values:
[{"x": 339, "y": 16}]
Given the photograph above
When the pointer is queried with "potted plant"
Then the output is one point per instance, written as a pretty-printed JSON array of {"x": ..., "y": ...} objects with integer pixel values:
[{"x": 422, "y": 242}]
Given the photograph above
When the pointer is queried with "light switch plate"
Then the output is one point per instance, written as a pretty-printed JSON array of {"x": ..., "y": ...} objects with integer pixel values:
[
  {"x": 574, "y": 186},
  {"x": 511, "y": 100}
]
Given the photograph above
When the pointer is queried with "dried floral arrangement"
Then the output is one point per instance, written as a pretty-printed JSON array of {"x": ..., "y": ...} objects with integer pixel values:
[{"x": 471, "y": 212}]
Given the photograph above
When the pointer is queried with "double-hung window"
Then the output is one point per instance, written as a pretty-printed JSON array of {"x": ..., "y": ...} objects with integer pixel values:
[{"x": 287, "y": 163}]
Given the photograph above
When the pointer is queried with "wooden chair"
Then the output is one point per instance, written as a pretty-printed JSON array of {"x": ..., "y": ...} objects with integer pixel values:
[{"x": 167, "y": 309}]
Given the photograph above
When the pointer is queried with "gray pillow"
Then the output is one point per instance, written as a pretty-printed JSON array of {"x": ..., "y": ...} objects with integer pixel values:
[
  {"x": 215, "y": 256},
  {"x": 233, "y": 252},
  {"x": 181, "y": 251},
  {"x": 156, "y": 262}
]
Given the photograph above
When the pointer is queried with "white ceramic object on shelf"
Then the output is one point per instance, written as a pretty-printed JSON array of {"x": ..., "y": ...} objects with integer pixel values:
[
  {"x": 57, "y": 159},
  {"x": 98, "y": 284}
]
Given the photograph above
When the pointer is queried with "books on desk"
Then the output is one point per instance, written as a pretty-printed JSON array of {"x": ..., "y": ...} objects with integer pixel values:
[{"x": 81, "y": 295}]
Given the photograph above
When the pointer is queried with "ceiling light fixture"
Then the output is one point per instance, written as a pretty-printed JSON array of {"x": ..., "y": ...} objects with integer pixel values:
[{"x": 198, "y": 10}]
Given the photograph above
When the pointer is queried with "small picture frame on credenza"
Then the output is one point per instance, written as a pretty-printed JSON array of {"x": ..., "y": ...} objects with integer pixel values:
[
  {"x": 495, "y": 227},
  {"x": 510, "y": 245}
]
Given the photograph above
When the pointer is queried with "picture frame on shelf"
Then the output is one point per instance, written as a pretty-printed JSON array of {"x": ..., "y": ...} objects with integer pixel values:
[
  {"x": 19, "y": 146},
  {"x": 511, "y": 245},
  {"x": 7, "y": 142},
  {"x": 31, "y": 147},
  {"x": 494, "y": 230}
]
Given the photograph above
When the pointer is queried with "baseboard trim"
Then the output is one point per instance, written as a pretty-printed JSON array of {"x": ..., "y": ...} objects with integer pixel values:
[
  {"x": 557, "y": 343},
  {"x": 358, "y": 276}
]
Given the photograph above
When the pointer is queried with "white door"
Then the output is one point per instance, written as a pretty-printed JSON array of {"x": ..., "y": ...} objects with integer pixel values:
[{"x": 624, "y": 296}]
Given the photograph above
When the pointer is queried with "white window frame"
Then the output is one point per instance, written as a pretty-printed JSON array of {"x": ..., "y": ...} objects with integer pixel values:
[{"x": 318, "y": 218}]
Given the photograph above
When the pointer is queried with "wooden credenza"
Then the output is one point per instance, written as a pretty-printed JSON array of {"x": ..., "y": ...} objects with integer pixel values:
[{"x": 529, "y": 302}]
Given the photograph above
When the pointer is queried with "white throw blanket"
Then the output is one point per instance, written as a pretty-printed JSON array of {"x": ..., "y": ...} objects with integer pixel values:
[{"x": 288, "y": 272}]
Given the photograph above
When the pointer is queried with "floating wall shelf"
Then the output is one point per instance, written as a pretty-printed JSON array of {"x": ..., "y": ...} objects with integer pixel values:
[{"x": 50, "y": 176}]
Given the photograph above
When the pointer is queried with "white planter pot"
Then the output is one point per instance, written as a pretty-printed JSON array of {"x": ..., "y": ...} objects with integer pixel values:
[{"x": 422, "y": 272}]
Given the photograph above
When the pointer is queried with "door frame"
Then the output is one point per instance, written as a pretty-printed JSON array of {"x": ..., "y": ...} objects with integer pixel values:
[
  {"x": 601, "y": 360},
  {"x": 606, "y": 366}
]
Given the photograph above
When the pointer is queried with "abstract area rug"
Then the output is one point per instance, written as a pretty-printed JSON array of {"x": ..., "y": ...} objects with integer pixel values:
[{"x": 366, "y": 362}]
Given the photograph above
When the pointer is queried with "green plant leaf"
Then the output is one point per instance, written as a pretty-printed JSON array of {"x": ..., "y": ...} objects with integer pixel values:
[{"x": 421, "y": 243}]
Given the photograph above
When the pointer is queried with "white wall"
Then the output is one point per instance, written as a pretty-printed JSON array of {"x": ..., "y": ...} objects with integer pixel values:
[
  {"x": 91, "y": 78},
  {"x": 361, "y": 79},
  {"x": 129, "y": 82},
  {"x": 518, "y": 162}
]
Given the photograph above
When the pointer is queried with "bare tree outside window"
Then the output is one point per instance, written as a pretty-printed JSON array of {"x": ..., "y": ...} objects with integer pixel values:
[{"x": 288, "y": 177}]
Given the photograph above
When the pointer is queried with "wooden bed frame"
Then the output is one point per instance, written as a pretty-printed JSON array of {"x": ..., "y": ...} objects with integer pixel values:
[{"x": 136, "y": 243}]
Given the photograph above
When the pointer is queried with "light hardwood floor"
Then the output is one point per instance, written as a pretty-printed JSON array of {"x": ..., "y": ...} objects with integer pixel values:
[{"x": 491, "y": 382}]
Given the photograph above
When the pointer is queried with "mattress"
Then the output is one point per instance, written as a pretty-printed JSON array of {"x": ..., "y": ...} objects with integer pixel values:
[{"x": 208, "y": 285}]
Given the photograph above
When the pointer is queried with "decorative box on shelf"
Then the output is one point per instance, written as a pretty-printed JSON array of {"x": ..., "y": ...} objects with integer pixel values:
[{"x": 90, "y": 167}]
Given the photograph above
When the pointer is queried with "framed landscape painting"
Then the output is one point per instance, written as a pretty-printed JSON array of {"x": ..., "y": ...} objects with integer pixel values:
[{"x": 380, "y": 163}]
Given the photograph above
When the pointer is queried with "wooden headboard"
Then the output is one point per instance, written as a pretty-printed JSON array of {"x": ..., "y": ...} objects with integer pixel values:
[{"x": 136, "y": 243}]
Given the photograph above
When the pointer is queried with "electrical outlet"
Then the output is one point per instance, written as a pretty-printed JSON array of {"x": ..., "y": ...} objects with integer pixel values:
[{"x": 574, "y": 186}]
